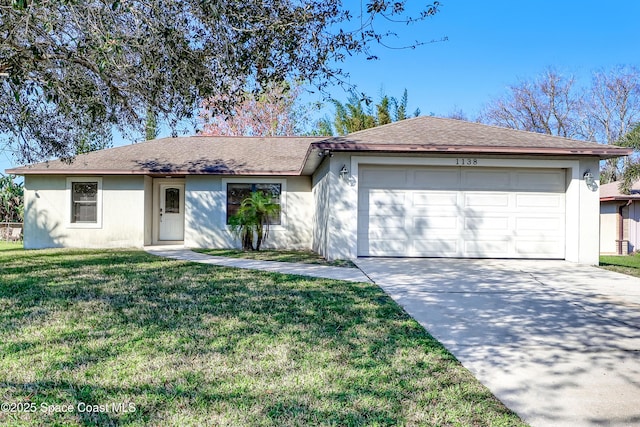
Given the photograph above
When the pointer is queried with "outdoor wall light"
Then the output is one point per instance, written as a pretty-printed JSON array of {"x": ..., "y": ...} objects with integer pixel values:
[
  {"x": 326, "y": 153},
  {"x": 344, "y": 171},
  {"x": 588, "y": 178}
]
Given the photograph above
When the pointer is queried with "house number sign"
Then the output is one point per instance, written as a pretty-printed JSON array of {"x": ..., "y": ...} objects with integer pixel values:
[{"x": 466, "y": 162}]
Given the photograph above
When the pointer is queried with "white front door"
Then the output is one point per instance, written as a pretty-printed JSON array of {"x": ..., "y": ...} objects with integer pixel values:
[{"x": 171, "y": 215}]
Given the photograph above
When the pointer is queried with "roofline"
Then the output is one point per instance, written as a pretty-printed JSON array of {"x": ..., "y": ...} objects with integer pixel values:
[
  {"x": 619, "y": 198},
  {"x": 21, "y": 171},
  {"x": 412, "y": 148}
]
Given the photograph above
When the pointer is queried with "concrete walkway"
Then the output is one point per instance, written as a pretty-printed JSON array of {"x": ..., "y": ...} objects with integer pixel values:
[
  {"x": 310, "y": 270},
  {"x": 558, "y": 343}
]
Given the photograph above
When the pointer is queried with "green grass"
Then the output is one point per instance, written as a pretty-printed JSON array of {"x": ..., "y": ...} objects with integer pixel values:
[
  {"x": 304, "y": 257},
  {"x": 626, "y": 264},
  {"x": 192, "y": 344},
  {"x": 9, "y": 246}
]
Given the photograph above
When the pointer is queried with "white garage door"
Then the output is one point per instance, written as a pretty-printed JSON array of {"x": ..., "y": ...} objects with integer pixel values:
[{"x": 461, "y": 212}]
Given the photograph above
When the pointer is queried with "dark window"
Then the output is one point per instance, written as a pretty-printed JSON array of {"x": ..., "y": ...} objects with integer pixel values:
[
  {"x": 172, "y": 200},
  {"x": 84, "y": 202},
  {"x": 237, "y": 192}
]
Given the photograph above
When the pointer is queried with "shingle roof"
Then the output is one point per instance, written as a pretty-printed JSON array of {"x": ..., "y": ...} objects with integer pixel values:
[
  {"x": 435, "y": 134},
  {"x": 291, "y": 155},
  {"x": 189, "y": 155},
  {"x": 611, "y": 191}
]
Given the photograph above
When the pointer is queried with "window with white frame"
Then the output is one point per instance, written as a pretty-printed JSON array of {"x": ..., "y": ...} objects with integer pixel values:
[{"x": 84, "y": 196}]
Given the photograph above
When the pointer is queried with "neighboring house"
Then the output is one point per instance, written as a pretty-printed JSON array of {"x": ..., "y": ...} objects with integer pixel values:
[
  {"x": 423, "y": 187},
  {"x": 619, "y": 218}
]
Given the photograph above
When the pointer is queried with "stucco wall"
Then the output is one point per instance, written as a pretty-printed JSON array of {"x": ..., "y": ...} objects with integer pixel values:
[
  {"x": 48, "y": 212},
  {"x": 205, "y": 212},
  {"x": 321, "y": 195},
  {"x": 608, "y": 227}
]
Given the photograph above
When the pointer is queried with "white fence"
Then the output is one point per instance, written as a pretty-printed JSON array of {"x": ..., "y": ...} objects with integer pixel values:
[{"x": 11, "y": 231}]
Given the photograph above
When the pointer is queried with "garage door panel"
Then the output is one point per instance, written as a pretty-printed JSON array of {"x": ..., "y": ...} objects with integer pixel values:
[
  {"x": 486, "y": 180},
  {"x": 538, "y": 249},
  {"x": 489, "y": 223},
  {"x": 538, "y": 201},
  {"x": 487, "y": 248},
  {"x": 385, "y": 221},
  {"x": 541, "y": 180},
  {"x": 439, "y": 223},
  {"x": 543, "y": 226},
  {"x": 495, "y": 200},
  {"x": 436, "y": 179},
  {"x": 458, "y": 212},
  {"x": 385, "y": 178},
  {"x": 423, "y": 198},
  {"x": 435, "y": 247},
  {"x": 387, "y": 247},
  {"x": 398, "y": 233},
  {"x": 386, "y": 197}
]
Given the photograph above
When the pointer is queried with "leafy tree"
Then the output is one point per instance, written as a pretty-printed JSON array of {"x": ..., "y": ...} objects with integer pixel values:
[
  {"x": 355, "y": 115},
  {"x": 631, "y": 172},
  {"x": 253, "y": 218},
  {"x": 72, "y": 71},
  {"x": 273, "y": 112},
  {"x": 11, "y": 199}
]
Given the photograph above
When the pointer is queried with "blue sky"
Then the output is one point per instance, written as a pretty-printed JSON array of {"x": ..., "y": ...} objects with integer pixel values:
[{"x": 491, "y": 44}]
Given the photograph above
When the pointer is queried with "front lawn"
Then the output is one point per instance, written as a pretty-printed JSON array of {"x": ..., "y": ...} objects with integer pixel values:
[
  {"x": 304, "y": 257},
  {"x": 626, "y": 264},
  {"x": 126, "y": 338}
]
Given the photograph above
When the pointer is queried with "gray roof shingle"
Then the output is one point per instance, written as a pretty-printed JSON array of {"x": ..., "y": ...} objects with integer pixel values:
[
  {"x": 189, "y": 155},
  {"x": 291, "y": 155}
]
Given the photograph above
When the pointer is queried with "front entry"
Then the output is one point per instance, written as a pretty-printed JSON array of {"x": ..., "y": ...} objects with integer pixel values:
[{"x": 169, "y": 215}]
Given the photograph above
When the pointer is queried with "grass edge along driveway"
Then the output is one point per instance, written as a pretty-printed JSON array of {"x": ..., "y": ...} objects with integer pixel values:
[{"x": 140, "y": 340}]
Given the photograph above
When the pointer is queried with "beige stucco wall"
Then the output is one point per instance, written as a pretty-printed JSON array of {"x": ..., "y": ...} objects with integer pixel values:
[
  {"x": 321, "y": 197},
  {"x": 205, "y": 212},
  {"x": 48, "y": 212},
  {"x": 608, "y": 227}
]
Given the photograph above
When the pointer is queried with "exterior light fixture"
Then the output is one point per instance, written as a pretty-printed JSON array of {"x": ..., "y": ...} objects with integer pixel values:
[
  {"x": 325, "y": 153},
  {"x": 590, "y": 180},
  {"x": 344, "y": 172}
]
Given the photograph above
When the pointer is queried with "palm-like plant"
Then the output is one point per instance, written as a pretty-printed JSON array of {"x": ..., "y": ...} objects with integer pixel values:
[
  {"x": 11, "y": 200},
  {"x": 253, "y": 219}
]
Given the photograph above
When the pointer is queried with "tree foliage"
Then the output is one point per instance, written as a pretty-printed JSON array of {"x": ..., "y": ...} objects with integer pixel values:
[
  {"x": 273, "y": 112},
  {"x": 604, "y": 112},
  {"x": 356, "y": 114},
  {"x": 11, "y": 199},
  {"x": 549, "y": 104},
  {"x": 253, "y": 218},
  {"x": 73, "y": 71}
]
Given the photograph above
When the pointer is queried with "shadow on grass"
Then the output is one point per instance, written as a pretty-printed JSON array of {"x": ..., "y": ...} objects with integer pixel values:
[{"x": 195, "y": 344}]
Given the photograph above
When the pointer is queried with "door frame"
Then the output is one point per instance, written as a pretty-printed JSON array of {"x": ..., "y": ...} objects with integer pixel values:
[{"x": 155, "y": 235}]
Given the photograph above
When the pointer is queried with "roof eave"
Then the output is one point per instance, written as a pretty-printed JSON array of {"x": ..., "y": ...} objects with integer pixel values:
[
  {"x": 21, "y": 171},
  {"x": 603, "y": 153}
]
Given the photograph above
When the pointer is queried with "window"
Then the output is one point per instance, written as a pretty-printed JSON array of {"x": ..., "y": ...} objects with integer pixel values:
[
  {"x": 172, "y": 200},
  {"x": 237, "y": 192},
  {"x": 84, "y": 202}
]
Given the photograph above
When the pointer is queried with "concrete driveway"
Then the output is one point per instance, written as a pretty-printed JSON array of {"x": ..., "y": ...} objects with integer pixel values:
[{"x": 558, "y": 343}]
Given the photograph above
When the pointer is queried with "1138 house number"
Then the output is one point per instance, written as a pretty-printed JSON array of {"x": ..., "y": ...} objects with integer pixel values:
[{"x": 466, "y": 162}]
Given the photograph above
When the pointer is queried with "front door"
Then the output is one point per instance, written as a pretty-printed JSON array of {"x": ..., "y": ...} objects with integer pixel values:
[{"x": 171, "y": 215}]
